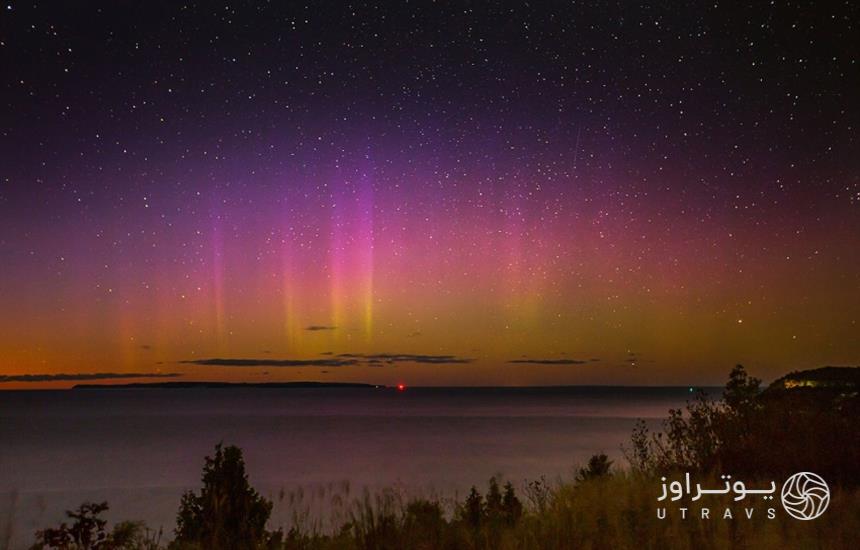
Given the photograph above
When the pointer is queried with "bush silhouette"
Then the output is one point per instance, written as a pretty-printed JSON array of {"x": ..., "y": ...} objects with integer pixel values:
[
  {"x": 88, "y": 532},
  {"x": 228, "y": 514},
  {"x": 804, "y": 421},
  {"x": 423, "y": 520}
]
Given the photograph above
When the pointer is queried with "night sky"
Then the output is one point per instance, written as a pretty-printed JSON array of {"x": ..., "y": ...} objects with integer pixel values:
[{"x": 431, "y": 193}]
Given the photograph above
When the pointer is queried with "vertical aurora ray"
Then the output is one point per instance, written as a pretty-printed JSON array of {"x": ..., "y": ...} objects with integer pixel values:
[
  {"x": 365, "y": 247},
  {"x": 290, "y": 291},
  {"x": 217, "y": 279},
  {"x": 336, "y": 259}
]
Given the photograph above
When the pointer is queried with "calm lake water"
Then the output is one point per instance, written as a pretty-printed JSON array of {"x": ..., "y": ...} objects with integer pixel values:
[{"x": 140, "y": 449}]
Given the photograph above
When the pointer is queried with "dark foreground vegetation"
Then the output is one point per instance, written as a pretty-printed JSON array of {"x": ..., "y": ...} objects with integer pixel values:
[{"x": 804, "y": 421}]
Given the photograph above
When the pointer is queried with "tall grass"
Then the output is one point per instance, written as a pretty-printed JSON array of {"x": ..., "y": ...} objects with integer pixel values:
[
  {"x": 617, "y": 512},
  {"x": 609, "y": 512}
]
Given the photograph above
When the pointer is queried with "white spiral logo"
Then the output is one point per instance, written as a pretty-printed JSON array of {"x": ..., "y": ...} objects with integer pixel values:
[{"x": 805, "y": 495}]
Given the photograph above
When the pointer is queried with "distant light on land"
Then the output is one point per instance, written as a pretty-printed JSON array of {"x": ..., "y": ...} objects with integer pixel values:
[{"x": 401, "y": 387}]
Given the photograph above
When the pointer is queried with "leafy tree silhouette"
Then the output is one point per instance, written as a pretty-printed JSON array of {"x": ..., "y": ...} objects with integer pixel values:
[
  {"x": 88, "y": 532},
  {"x": 228, "y": 514}
]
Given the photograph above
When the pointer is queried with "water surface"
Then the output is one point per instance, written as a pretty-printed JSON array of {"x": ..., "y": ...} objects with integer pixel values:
[{"x": 141, "y": 448}]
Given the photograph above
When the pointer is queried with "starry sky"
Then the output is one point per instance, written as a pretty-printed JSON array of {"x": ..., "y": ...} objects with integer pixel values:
[{"x": 452, "y": 193}]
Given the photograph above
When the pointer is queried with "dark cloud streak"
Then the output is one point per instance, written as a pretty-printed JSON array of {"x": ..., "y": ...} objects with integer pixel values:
[
  {"x": 408, "y": 358},
  {"x": 84, "y": 376},
  {"x": 548, "y": 361},
  {"x": 340, "y": 360},
  {"x": 222, "y": 362}
]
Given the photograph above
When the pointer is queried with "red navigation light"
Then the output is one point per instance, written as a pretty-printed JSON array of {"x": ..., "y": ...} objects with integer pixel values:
[{"x": 401, "y": 387}]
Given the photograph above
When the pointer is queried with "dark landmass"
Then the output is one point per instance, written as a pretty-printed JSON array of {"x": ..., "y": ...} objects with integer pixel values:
[
  {"x": 819, "y": 401},
  {"x": 217, "y": 385},
  {"x": 844, "y": 378}
]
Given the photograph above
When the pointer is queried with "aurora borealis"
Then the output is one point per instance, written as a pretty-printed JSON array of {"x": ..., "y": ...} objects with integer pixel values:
[{"x": 441, "y": 194}]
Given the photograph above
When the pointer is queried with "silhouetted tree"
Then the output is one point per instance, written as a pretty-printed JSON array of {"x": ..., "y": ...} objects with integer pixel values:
[
  {"x": 228, "y": 514},
  {"x": 88, "y": 532},
  {"x": 493, "y": 501},
  {"x": 741, "y": 392},
  {"x": 473, "y": 509},
  {"x": 511, "y": 505},
  {"x": 598, "y": 466},
  {"x": 499, "y": 508}
]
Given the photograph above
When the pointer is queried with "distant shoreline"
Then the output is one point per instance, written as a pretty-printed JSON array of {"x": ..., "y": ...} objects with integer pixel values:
[{"x": 210, "y": 385}]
